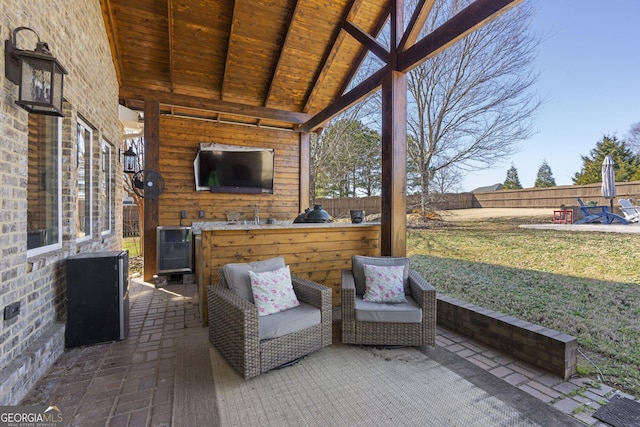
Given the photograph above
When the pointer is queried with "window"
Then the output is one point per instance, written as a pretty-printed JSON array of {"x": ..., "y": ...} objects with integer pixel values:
[
  {"x": 106, "y": 197},
  {"x": 84, "y": 188},
  {"x": 44, "y": 189}
]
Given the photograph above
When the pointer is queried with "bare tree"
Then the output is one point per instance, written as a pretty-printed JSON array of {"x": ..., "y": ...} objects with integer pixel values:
[
  {"x": 471, "y": 104},
  {"x": 446, "y": 180},
  {"x": 633, "y": 137}
]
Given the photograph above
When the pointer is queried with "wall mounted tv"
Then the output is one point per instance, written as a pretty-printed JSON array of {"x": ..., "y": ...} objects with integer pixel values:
[{"x": 222, "y": 168}]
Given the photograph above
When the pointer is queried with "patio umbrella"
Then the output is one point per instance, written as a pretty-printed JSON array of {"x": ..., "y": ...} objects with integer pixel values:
[{"x": 608, "y": 180}]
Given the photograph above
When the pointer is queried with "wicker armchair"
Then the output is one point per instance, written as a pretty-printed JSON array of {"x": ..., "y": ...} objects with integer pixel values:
[
  {"x": 383, "y": 327},
  {"x": 234, "y": 328}
]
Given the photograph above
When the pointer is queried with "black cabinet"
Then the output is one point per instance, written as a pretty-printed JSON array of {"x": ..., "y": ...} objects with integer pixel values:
[{"x": 97, "y": 298}]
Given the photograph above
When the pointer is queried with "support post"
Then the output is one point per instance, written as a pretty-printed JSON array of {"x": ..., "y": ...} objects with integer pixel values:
[
  {"x": 305, "y": 160},
  {"x": 151, "y": 206},
  {"x": 394, "y": 165},
  {"x": 393, "y": 230}
]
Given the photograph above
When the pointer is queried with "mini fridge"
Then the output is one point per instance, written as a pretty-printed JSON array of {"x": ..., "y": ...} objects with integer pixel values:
[
  {"x": 175, "y": 251},
  {"x": 97, "y": 298}
]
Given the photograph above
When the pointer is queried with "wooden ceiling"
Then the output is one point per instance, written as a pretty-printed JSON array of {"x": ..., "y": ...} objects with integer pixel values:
[
  {"x": 248, "y": 61},
  {"x": 273, "y": 63}
]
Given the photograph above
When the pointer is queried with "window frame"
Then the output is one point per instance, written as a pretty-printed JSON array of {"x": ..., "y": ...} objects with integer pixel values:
[
  {"x": 106, "y": 169},
  {"x": 88, "y": 176},
  {"x": 58, "y": 244}
]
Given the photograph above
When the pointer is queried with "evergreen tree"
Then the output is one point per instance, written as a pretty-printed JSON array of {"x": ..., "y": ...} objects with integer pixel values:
[
  {"x": 512, "y": 182},
  {"x": 627, "y": 164},
  {"x": 545, "y": 177}
]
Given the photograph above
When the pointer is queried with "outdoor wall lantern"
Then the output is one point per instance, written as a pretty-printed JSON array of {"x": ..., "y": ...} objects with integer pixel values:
[
  {"x": 38, "y": 74},
  {"x": 130, "y": 160}
]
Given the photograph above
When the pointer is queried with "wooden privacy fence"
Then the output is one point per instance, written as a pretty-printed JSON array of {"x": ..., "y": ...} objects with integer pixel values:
[
  {"x": 340, "y": 207},
  {"x": 130, "y": 222},
  {"x": 552, "y": 197}
]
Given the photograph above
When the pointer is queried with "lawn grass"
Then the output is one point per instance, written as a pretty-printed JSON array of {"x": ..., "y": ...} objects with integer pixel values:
[
  {"x": 585, "y": 284},
  {"x": 133, "y": 245}
]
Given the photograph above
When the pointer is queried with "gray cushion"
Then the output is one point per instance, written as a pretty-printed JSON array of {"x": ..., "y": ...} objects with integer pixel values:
[
  {"x": 358, "y": 262},
  {"x": 288, "y": 321},
  {"x": 406, "y": 312},
  {"x": 237, "y": 274}
]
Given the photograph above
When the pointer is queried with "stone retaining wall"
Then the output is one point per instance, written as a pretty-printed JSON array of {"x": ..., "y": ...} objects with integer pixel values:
[{"x": 545, "y": 348}]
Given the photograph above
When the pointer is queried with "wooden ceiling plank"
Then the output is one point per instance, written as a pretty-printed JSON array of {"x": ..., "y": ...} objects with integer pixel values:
[
  {"x": 368, "y": 41},
  {"x": 113, "y": 40},
  {"x": 470, "y": 18},
  {"x": 327, "y": 59},
  {"x": 294, "y": 11},
  {"x": 219, "y": 106},
  {"x": 414, "y": 26},
  {"x": 225, "y": 78},
  {"x": 355, "y": 95}
]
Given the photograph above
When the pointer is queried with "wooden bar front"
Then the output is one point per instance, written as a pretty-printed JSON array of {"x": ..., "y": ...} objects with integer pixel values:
[{"x": 313, "y": 251}]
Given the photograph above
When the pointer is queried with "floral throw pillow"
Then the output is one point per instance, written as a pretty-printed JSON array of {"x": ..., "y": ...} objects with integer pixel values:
[
  {"x": 384, "y": 284},
  {"x": 273, "y": 291}
]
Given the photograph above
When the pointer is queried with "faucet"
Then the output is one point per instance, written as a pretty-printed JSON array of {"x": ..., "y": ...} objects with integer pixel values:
[{"x": 256, "y": 217}]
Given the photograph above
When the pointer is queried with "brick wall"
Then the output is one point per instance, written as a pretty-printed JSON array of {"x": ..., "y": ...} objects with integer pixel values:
[
  {"x": 545, "y": 348},
  {"x": 75, "y": 32}
]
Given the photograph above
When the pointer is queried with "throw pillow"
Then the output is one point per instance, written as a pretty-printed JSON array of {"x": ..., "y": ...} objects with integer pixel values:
[
  {"x": 358, "y": 262},
  {"x": 273, "y": 291},
  {"x": 384, "y": 284},
  {"x": 237, "y": 274}
]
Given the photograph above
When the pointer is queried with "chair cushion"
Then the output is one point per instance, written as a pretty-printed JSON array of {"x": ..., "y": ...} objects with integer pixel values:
[
  {"x": 273, "y": 291},
  {"x": 408, "y": 312},
  {"x": 288, "y": 321},
  {"x": 237, "y": 274},
  {"x": 358, "y": 262},
  {"x": 384, "y": 284}
]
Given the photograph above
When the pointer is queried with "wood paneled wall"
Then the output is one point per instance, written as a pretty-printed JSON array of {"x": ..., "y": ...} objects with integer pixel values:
[{"x": 179, "y": 140}]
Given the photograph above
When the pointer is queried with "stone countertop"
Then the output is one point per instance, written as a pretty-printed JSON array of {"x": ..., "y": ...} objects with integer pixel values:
[{"x": 198, "y": 226}]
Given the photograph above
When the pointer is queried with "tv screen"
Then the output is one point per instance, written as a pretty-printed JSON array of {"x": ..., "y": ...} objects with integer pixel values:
[{"x": 234, "y": 169}]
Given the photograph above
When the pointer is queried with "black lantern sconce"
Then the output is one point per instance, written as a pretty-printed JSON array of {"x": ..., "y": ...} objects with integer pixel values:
[
  {"x": 130, "y": 160},
  {"x": 38, "y": 74}
]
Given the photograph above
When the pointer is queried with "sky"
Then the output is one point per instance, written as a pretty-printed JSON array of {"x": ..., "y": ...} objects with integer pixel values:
[{"x": 589, "y": 65}]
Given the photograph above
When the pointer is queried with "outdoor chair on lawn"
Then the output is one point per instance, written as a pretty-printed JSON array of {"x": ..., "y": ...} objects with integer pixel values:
[
  {"x": 631, "y": 213},
  {"x": 251, "y": 340},
  {"x": 594, "y": 214},
  {"x": 404, "y": 312}
]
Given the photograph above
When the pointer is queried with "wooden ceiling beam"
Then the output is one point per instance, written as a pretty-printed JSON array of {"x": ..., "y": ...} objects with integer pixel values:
[
  {"x": 329, "y": 55},
  {"x": 367, "y": 40},
  {"x": 363, "y": 54},
  {"x": 294, "y": 12},
  {"x": 214, "y": 105},
  {"x": 226, "y": 61},
  {"x": 415, "y": 24},
  {"x": 355, "y": 95},
  {"x": 467, "y": 20}
]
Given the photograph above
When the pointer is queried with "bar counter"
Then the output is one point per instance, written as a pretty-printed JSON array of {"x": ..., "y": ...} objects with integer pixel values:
[{"x": 314, "y": 251}]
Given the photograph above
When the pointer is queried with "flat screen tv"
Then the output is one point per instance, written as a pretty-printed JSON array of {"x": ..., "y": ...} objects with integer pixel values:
[{"x": 223, "y": 168}]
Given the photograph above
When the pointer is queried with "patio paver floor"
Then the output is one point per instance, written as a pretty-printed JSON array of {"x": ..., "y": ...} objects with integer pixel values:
[{"x": 131, "y": 382}]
